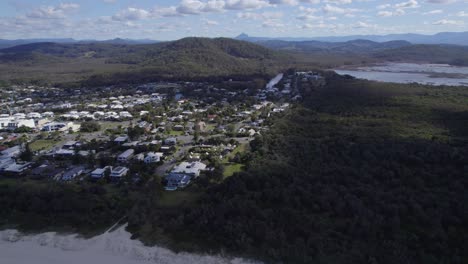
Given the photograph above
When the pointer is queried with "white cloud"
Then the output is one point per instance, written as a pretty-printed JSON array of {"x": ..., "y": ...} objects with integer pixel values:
[
  {"x": 245, "y": 4},
  {"x": 448, "y": 22},
  {"x": 131, "y": 13},
  {"x": 190, "y": 7},
  {"x": 384, "y": 6},
  {"x": 434, "y": 12},
  {"x": 408, "y": 4},
  {"x": 339, "y": 2},
  {"x": 385, "y": 13},
  {"x": 283, "y": 2},
  {"x": 53, "y": 12},
  {"x": 338, "y": 10}
]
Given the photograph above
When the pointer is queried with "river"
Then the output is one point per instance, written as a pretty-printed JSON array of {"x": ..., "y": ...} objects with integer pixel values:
[
  {"x": 432, "y": 74},
  {"x": 274, "y": 81},
  {"x": 114, "y": 247}
]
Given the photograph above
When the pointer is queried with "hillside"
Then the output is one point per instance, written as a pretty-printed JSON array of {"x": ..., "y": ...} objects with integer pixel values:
[
  {"x": 101, "y": 63},
  {"x": 449, "y": 54},
  {"x": 359, "y": 46}
]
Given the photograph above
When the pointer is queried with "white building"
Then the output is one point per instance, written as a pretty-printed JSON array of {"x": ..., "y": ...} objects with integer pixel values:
[
  {"x": 118, "y": 172},
  {"x": 13, "y": 123},
  {"x": 126, "y": 155},
  {"x": 190, "y": 168},
  {"x": 153, "y": 157}
]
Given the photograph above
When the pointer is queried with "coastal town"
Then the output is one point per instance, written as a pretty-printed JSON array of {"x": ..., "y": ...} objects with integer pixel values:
[{"x": 179, "y": 132}]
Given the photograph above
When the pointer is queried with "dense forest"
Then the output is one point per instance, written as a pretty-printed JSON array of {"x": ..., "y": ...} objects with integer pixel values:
[
  {"x": 94, "y": 64},
  {"x": 447, "y": 54},
  {"x": 360, "y": 173},
  {"x": 36, "y": 206}
]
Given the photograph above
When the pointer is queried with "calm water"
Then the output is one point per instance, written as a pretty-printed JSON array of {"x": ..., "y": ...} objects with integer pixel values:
[
  {"x": 274, "y": 81},
  {"x": 409, "y": 73}
]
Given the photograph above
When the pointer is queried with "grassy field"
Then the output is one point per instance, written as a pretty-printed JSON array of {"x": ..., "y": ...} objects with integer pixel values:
[
  {"x": 239, "y": 149},
  {"x": 43, "y": 144},
  {"x": 232, "y": 168},
  {"x": 176, "y": 133}
]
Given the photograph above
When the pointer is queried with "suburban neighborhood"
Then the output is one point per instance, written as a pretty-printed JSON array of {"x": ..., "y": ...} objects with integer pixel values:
[{"x": 177, "y": 132}]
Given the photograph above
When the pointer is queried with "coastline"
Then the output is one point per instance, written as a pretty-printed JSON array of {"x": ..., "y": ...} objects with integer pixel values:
[{"x": 114, "y": 247}]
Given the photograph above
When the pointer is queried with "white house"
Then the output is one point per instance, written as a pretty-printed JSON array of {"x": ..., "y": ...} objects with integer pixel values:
[
  {"x": 12, "y": 122},
  {"x": 99, "y": 172},
  {"x": 153, "y": 157},
  {"x": 126, "y": 155},
  {"x": 190, "y": 168},
  {"x": 118, "y": 172}
]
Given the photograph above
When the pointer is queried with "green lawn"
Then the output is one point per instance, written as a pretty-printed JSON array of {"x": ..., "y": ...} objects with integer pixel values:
[
  {"x": 230, "y": 169},
  {"x": 43, "y": 144},
  {"x": 239, "y": 149},
  {"x": 176, "y": 133},
  {"x": 210, "y": 127}
]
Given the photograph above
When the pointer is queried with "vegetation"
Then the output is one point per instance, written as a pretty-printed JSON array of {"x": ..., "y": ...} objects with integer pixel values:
[
  {"x": 361, "y": 173},
  {"x": 42, "y": 144},
  {"x": 448, "y": 54},
  {"x": 90, "y": 126},
  {"x": 103, "y": 64},
  {"x": 39, "y": 206}
]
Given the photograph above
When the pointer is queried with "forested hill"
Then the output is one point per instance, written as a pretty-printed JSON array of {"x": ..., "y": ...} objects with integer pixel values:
[
  {"x": 448, "y": 54},
  {"x": 358, "y": 46},
  {"x": 362, "y": 172},
  {"x": 185, "y": 58}
]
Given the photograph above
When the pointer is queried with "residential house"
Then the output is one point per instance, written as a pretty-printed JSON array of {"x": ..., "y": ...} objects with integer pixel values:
[
  {"x": 176, "y": 180},
  {"x": 47, "y": 171},
  {"x": 99, "y": 172},
  {"x": 120, "y": 140},
  {"x": 191, "y": 169},
  {"x": 153, "y": 157},
  {"x": 72, "y": 173},
  {"x": 118, "y": 172},
  {"x": 170, "y": 141},
  {"x": 126, "y": 155}
]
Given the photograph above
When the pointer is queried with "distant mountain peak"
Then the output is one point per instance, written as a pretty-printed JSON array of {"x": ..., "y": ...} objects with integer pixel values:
[{"x": 242, "y": 36}]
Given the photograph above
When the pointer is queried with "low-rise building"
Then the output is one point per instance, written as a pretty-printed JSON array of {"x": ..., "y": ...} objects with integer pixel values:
[
  {"x": 72, "y": 173},
  {"x": 153, "y": 157},
  {"x": 176, "y": 180},
  {"x": 170, "y": 141},
  {"x": 191, "y": 169},
  {"x": 99, "y": 172},
  {"x": 126, "y": 155},
  {"x": 120, "y": 140},
  {"x": 118, "y": 172}
]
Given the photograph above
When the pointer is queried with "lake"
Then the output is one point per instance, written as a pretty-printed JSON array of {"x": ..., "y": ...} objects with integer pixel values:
[{"x": 432, "y": 74}]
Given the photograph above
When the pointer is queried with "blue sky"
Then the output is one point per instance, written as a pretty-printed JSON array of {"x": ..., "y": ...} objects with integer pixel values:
[{"x": 174, "y": 19}]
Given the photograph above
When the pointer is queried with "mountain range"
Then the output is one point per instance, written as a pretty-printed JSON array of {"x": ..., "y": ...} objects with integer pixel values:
[
  {"x": 455, "y": 38},
  {"x": 5, "y": 43}
]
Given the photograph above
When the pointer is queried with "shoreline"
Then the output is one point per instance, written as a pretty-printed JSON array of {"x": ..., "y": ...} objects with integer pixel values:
[{"x": 114, "y": 246}]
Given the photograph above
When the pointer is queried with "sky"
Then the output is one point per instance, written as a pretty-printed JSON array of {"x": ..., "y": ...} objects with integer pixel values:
[{"x": 174, "y": 19}]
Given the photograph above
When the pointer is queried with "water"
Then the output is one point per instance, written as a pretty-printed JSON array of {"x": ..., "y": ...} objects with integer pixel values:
[
  {"x": 274, "y": 81},
  {"x": 432, "y": 74},
  {"x": 114, "y": 247}
]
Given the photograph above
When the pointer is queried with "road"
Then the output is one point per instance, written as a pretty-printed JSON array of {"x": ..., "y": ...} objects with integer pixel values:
[{"x": 186, "y": 142}]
